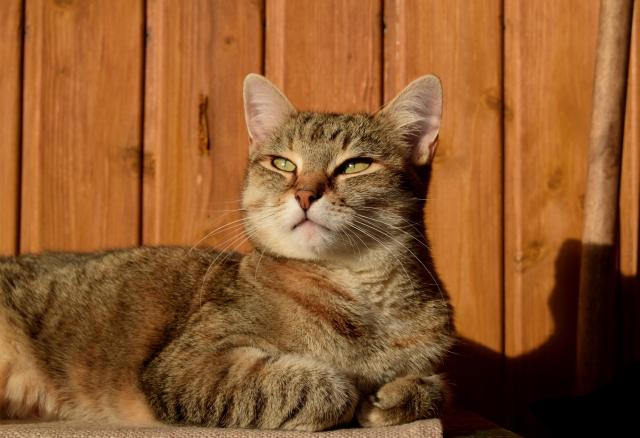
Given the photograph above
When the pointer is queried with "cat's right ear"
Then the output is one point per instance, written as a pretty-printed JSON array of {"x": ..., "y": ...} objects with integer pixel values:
[
  {"x": 417, "y": 113},
  {"x": 265, "y": 108}
]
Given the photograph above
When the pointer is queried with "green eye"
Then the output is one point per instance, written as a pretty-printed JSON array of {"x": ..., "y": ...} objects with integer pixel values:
[
  {"x": 355, "y": 166},
  {"x": 283, "y": 164}
]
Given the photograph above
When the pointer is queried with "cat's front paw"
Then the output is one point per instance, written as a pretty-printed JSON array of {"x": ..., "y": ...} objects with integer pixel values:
[
  {"x": 324, "y": 410},
  {"x": 317, "y": 397},
  {"x": 403, "y": 400}
]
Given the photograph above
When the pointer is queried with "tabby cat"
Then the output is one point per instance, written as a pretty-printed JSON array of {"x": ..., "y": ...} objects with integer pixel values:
[{"x": 335, "y": 317}]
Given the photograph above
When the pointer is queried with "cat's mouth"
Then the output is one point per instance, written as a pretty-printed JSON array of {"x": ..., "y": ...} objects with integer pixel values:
[{"x": 307, "y": 223}]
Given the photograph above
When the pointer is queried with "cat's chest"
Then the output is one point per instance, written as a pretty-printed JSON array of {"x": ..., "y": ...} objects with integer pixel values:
[
  {"x": 360, "y": 322},
  {"x": 337, "y": 306},
  {"x": 373, "y": 346},
  {"x": 358, "y": 325}
]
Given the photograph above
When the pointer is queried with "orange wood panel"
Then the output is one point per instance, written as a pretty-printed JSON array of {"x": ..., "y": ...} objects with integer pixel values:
[
  {"x": 196, "y": 144},
  {"x": 82, "y": 125},
  {"x": 326, "y": 54},
  {"x": 10, "y": 90},
  {"x": 549, "y": 62},
  {"x": 630, "y": 206},
  {"x": 464, "y": 211}
]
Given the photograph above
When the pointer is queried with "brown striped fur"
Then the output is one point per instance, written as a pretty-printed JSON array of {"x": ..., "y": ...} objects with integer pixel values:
[{"x": 336, "y": 315}]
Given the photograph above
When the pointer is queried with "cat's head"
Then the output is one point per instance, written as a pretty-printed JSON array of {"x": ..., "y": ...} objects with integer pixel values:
[{"x": 321, "y": 186}]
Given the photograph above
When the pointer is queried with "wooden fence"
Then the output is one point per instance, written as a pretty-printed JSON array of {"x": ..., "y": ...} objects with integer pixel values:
[{"x": 121, "y": 124}]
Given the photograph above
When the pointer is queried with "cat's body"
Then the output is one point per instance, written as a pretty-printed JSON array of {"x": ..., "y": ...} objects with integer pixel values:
[{"x": 295, "y": 336}]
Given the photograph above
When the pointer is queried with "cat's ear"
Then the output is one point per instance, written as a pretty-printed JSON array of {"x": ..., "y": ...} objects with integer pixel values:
[
  {"x": 417, "y": 112},
  {"x": 265, "y": 108}
]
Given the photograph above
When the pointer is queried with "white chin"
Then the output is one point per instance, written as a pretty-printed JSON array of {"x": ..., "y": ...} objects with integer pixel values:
[
  {"x": 309, "y": 231},
  {"x": 310, "y": 238}
]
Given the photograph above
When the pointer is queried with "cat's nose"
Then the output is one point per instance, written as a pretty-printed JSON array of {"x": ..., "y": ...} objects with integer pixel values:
[
  {"x": 305, "y": 198},
  {"x": 309, "y": 188}
]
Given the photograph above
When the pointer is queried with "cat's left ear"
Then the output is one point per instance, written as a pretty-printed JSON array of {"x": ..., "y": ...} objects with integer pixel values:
[
  {"x": 265, "y": 109},
  {"x": 417, "y": 112}
]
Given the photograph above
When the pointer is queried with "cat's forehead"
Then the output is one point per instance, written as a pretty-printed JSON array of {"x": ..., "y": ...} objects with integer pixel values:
[{"x": 323, "y": 136}]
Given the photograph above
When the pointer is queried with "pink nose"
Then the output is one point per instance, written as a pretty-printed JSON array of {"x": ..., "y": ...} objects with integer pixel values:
[{"x": 305, "y": 198}]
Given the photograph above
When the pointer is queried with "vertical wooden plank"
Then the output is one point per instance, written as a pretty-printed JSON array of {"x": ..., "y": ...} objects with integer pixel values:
[
  {"x": 326, "y": 54},
  {"x": 630, "y": 206},
  {"x": 81, "y": 131},
  {"x": 10, "y": 86},
  {"x": 464, "y": 212},
  {"x": 196, "y": 144},
  {"x": 549, "y": 62}
]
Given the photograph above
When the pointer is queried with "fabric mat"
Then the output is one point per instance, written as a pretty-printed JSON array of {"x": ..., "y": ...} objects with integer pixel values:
[{"x": 422, "y": 429}]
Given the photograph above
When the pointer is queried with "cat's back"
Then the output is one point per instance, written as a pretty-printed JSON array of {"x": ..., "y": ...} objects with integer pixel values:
[
  {"x": 72, "y": 322},
  {"x": 119, "y": 290},
  {"x": 159, "y": 269}
]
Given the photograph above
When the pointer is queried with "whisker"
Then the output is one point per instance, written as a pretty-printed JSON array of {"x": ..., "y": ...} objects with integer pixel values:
[
  {"x": 390, "y": 252},
  {"x": 435, "y": 282},
  {"x": 255, "y": 275},
  {"x": 238, "y": 238},
  {"x": 351, "y": 242},
  {"x": 233, "y": 224},
  {"x": 396, "y": 228},
  {"x": 345, "y": 233},
  {"x": 227, "y": 227},
  {"x": 224, "y": 210},
  {"x": 415, "y": 225},
  {"x": 229, "y": 201},
  {"x": 235, "y": 242}
]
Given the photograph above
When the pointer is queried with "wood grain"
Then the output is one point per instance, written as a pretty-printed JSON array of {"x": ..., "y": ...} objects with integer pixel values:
[
  {"x": 10, "y": 93},
  {"x": 630, "y": 207},
  {"x": 195, "y": 137},
  {"x": 82, "y": 125},
  {"x": 326, "y": 54},
  {"x": 549, "y": 61},
  {"x": 464, "y": 211}
]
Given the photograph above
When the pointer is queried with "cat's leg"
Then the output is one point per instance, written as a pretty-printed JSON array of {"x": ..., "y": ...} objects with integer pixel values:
[
  {"x": 251, "y": 388},
  {"x": 403, "y": 400}
]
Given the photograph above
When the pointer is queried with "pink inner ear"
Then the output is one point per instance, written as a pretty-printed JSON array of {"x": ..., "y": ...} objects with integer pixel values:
[
  {"x": 266, "y": 109},
  {"x": 425, "y": 148},
  {"x": 264, "y": 117},
  {"x": 417, "y": 110},
  {"x": 262, "y": 124},
  {"x": 424, "y": 153},
  {"x": 432, "y": 149}
]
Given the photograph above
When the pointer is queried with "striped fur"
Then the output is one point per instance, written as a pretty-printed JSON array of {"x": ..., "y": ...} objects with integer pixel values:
[{"x": 343, "y": 320}]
